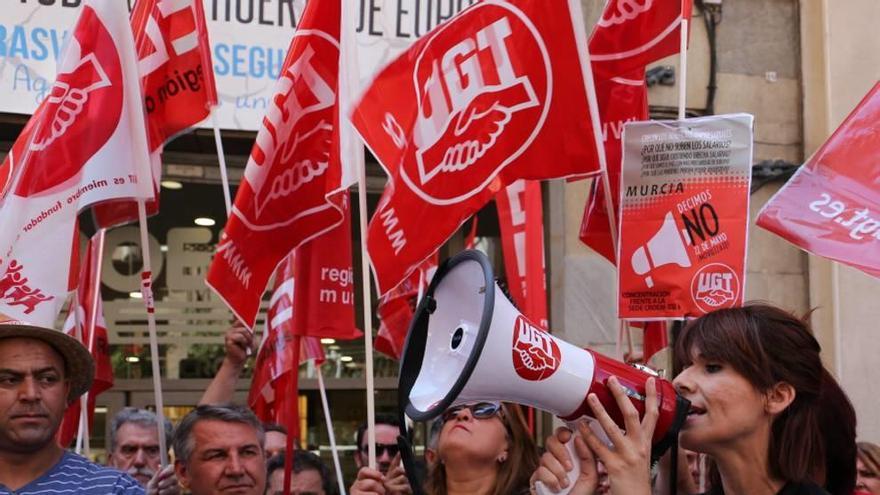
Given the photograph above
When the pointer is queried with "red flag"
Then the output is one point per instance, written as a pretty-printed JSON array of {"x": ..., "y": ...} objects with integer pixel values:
[
  {"x": 93, "y": 331},
  {"x": 621, "y": 100},
  {"x": 521, "y": 218},
  {"x": 634, "y": 33},
  {"x": 493, "y": 95},
  {"x": 396, "y": 309},
  {"x": 324, "y": 298},
  {"x": 85, "y": 144},
  {"x": 831, "y": 206},
  {"x": 313, "y": 299},
  {"x": 289, "y": 193},
  {"x": 177, "y": 78}
]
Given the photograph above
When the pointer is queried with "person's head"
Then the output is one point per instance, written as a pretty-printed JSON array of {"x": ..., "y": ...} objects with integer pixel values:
[
  {"x": 219, "y": 449},
  {"x": 276, "y": 439},
  {"x": 387, "y": 429},
  {"x": 868, "y": 468},
  {"x": 41, "y": 372},
  {"x": 489, "y": 436},
  {"x": 310, "y": 475},
  {"x": 754, "y": 378},
  {"x": 134, "y": 443}
]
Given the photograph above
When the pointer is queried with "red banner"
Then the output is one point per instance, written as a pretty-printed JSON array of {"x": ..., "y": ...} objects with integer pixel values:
[
  {"x": 86, "y": 143},
  {"x": 396, "y": 308},
  {"x": 493, "y": 95},
  {"x": 684, "y": 216},
  {"x": 621, "y": 100},
  {"x": 93, "y": 332},
  {"x": 291, "y": 185},
  {"x": 831, "y": 207},
  {"x": 177, "y": 79},
  {"x": 521, "y": 218},
  {"x": 634, "y": 33}
]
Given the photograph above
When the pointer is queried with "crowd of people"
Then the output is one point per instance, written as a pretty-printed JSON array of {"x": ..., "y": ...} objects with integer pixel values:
[{"x": 766, "y": 417}]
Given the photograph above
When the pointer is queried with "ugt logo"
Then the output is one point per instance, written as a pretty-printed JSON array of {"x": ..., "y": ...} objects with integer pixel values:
[
  {"x": 715, "y": 286},
  {"x": 536, "y": 355},
  {"x": 293, "y": 148},
  {"x": 89, "y": 83},
  {"x": 483, "y": 95}
]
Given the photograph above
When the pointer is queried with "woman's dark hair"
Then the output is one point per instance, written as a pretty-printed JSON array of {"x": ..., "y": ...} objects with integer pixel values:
[
  {"x": 514, "y": 473},
  {"x": 814, "y": 438}
]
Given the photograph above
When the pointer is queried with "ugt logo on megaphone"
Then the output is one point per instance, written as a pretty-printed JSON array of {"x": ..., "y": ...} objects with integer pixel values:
[
  {"x": 536, "y": 355},
  {"x": 667, "y": 246}
]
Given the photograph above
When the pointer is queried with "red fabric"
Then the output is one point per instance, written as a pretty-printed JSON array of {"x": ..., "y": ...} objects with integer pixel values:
[
  {"x": 177, "y": 78},
  {"x": 656, "y": 338},
  {"x": 634, "y": 33},
  {"x": 493, "y": 95},
  {"x": 313, "y": 299},
  {"x": 831, "y": 207},
  {"x": 84, "y": 144},
  {"x": 289, "y": 193},
  {"x": 324, "y": 295},
  {"x": 90, "y": 307},
  {"x": 396, "y": 309},
  {"x": 521, "y": 218},
  {"x": 621, "y": 100}
]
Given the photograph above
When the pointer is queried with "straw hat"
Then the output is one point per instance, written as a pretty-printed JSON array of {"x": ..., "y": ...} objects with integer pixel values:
[{"x": 80, "y": 366}]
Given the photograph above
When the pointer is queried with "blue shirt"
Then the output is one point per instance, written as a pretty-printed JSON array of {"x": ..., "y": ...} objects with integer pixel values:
[{"x": 73, "y": 474}]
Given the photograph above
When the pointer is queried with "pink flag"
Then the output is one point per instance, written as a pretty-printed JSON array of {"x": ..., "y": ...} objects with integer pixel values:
[
  {"x": 495, "y": 94},
  {"x": 86, "y": 143},
  {"x": 831, "y": 207},
  {"x": 291, "y": 191}
]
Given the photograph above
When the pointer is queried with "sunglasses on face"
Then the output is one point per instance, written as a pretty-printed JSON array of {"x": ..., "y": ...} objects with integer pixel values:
[
  {"x": 480, "y": 410},
  {"x": 390, "y": 448}
]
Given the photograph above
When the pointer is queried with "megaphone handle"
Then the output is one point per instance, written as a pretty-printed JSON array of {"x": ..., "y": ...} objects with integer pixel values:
[{"x": 541, "y": 489}]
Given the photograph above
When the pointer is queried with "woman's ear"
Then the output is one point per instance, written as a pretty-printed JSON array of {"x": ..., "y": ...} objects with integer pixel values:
[{"x": 779, "y": 397}]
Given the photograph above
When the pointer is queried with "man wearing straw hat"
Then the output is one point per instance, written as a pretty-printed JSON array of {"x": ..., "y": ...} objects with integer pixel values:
[{"x": 41, "y": 372}]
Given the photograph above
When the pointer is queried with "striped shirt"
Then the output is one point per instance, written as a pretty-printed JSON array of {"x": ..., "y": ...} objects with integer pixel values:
[{"x": 74, "y": 474}]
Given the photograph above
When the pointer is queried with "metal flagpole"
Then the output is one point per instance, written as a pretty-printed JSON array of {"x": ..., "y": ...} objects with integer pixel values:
[{"x": 221, "y": 157}]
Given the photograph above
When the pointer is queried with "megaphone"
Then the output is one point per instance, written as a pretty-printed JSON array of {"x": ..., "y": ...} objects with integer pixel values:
[
  {"x": 666, "y": 246},
  {"x": 468, "y": 343}
]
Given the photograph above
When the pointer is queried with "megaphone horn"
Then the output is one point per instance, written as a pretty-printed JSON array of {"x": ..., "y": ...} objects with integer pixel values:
[{"x": 468, "y": 343}]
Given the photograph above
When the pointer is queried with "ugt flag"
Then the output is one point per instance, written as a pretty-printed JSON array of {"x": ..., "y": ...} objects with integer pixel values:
[
  {"x": 291, "y": 191},
  {"x": 633, "y": 33},
  {"x": 86, "y": 143},
  {"x": 831, "y": 206},
  {"x": 93, "y": 332},
  {"x": 177, "y": 77},
  {"x": 495, "y": 94}
]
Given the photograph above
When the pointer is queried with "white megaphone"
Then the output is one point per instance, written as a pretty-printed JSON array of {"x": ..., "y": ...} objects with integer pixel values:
[
  {"x": 468, "y": 343},
  {"x": 667, "y": 246}
]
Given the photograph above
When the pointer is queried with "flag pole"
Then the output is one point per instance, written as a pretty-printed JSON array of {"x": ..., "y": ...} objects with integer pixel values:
[
  {"x": 82, "y": 430},
  {"x": 330, "y": 433},
  {"x": 147, "y": 293},
  {"x": 221, "y": 157},
  {"x": 368, "y": 312},
  {"x": 682, "y": 57},
  {"x": 592, "y": 102},
  {"x": 83, "y": 433}
]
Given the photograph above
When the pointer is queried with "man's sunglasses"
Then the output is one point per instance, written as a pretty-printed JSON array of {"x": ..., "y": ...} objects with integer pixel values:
[
  {"x": 480, "y": 410},
  {"x": 390, "y": 448}
]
